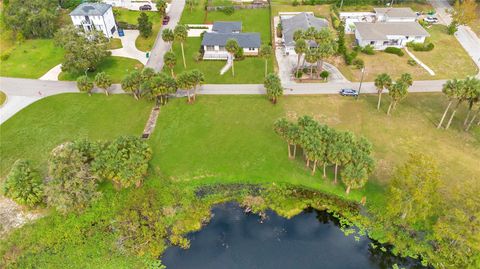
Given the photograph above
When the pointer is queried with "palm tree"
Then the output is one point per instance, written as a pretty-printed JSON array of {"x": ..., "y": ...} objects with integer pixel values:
[
  {"x": 297, "y": 35},
  {"x": 450, "y": 89},
  {"x": 472, "y": 95},
  {"x": 180, "y": 34},
  {"x": 197, "y": 79},
  {"x": 354, "y": 177},
  {"x": 170, "y": 61},
  {"x": 265, "y": 53},
  {"x": 382, "y": 82},
  {"x": 161, "y": 7},
  {"x": 232, "y": 47},
  {"x": 407, "y": 79},
  {"x": 280, "y": 127},
  {"x": 84, "y": 85},
  {"x": 185, "y": 82},
  {"x": 168, "y": 37},
  {"x": 273, "y": 86},
  {"x": 300, "y": 49},
  {"x": 326, "y": 46},
  {"x": 131, "y": 84},
  {"x": 397, "y": 91},
  {"x": 162, "y": 86},
  {"x": 461, "y": 95},
  {"x": 311, "y": 57},
  {"x": 103, "y": 81}
]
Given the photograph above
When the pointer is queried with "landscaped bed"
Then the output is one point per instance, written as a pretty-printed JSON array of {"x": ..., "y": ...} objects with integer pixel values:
[
  {"x": 3, "y": 98},
  {"x": 116, "y": 67}
]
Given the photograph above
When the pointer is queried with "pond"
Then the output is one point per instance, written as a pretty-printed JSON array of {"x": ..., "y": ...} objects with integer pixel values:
[{"x": 312, "y": 239}]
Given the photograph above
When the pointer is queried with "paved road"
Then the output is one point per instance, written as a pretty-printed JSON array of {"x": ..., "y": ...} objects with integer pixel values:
[{"x": 160, "y": 47}]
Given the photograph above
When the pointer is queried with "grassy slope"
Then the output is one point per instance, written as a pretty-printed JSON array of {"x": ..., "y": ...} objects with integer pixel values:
[
  {"x": 116, "y": 67},
  {"x": 37, "y": 129},
  {"x": 31, "y": 59}
]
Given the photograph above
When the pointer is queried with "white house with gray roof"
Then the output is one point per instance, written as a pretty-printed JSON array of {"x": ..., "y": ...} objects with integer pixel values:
[
  {"x": 388, "y": 14},
  {"x": 213, "y": 43},
  {"x": 94, "y": 16},
  {"x": 301, "y": 21},
  {"x": 381, "y": 35}
]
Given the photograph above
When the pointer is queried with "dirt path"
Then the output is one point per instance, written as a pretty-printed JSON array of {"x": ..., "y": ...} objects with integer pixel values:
[{"x": 13, "y": 216}]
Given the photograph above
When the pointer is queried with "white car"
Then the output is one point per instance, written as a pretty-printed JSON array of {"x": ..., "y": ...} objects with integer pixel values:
[{"x": 431, "y": 19}]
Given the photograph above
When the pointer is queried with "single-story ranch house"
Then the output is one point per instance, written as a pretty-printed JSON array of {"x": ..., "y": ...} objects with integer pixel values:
[
  {"x": 379, "y": 15},
  {"x": 213, "y": 43},
  {"x": 381, "y": 35},
  {"x": 94, "y": 16},
  {"x": 300, "y": 21}
]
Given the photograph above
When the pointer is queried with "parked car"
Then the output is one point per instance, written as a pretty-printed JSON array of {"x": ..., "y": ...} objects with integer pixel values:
[
  {"x": 166, "y": 19},
  {"x": 348, "y": 92},
  {"x": 145, "y": 7},
  {"x": 431, "y": 19}
]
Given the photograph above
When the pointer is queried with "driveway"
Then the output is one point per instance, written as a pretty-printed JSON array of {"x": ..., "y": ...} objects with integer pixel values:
[
  {"x": 129, "y": 50},
  {"x": 160, "y": 47}
]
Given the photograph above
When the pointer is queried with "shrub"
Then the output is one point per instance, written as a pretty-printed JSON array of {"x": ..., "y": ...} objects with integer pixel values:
[
  {"x": 368, "y": 50},
  {"x": 349, "y": 57},
  {"x": 394, "y": 50},
  {"x": 411, "y": 62},
  {"x": 359, "y": 63},
  {"x": 295, "y": 3},
  {"x": 324, "y": 74},
  {"x": 124, "y": 161},
  {"x": 71, "y": 185},
  {"x": 4, "y": 56},
  {"x": 197, "y": 56},
  {"x": 239, "y": 54},
  {"x": 228, "y": 10},
  {"x": 126, "y": 25},
  {"x": 23, "y": 184},
  {"x": 452, "y": 28},
  {"x": 279, "y": 30},
  {"x": 298, "y": 74},
  {"x": 421, "y": 46}
]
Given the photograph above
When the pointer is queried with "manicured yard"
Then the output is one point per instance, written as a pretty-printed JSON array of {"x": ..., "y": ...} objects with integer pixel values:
[
  {"x": 322, "y": 11},
  {"x": 249, "y": 70},
  {"x": 115, "y": 43},
  {"x": 195, "y": 16},
  {"x": 36, "y": 130},
  {"x": 116, "y": 67},
  {"x": 31, "y": 59},
  {"x": 448, "y": 59},
  {"x": 131, "y": 17}
]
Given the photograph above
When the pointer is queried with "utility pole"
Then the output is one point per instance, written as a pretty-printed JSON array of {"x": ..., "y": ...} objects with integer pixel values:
[
  {"x": 361, "y": 81},
  {"x": 341, "y": 5}
]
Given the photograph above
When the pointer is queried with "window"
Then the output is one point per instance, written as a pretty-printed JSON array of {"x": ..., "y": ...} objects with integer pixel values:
[
  {"x": 210, "y": 48},
  {"x": 222, "y": 48},
  {"x": 372, "y": 42},
  {"x": 251, "y": 48}
]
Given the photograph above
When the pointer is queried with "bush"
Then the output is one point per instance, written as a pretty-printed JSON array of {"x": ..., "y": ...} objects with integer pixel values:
[
  {"x": 349, "y": 57},
  {"x": 228, "y": 10},
  {"x": 197, "y": 56},
  {"x": 239, "y": 54},
  {"x": 126, "y": 25},
  {"x": 359, "y": 63},
  {"x": 421, "y": 46},
  {"x": 394, "y": 50},
  {"x": 324, "y": 74},
  {"x": 452, "y": 28},
  {"x": 368, "y": 50},
  {"x": 298, "y": 74},
  {"x": 295, "y": 3},
  {"x": 124, "y": 161},
  {"x": 279, "y": 30},
  {"x": 71, "y": 185},
  {"x": 411, "y": 62},
  {"x": 4, "y": 56},
  {"x": 23, "y": 184}
]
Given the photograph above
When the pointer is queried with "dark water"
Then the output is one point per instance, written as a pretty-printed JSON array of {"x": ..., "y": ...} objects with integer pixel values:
[{"x": 312, "y": 239}]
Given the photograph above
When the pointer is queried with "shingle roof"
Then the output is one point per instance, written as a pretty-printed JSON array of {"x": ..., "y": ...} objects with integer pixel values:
[
  {"x": 227, "y": 26},
  {"x": 245, "y": 40},
  {"x": 398, "y": 12},
  {"x": 380, "y": 30},
  {"x": 90, "y": 9},
  {"x": 301, "y": 21}
]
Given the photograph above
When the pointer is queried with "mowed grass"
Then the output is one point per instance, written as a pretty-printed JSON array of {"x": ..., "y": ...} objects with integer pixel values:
[
  {"x": 223, "y": 139},
  {"x": 115, "y": 43},
  {"x": 448, "y": 59},
  {"x": 36, "y": 130},
  {"x": 31, "y": 59},
  {"x": 116, "y": 67},
  {"x": 195, "y": 15},
  {"x": 250, "y": 70}
]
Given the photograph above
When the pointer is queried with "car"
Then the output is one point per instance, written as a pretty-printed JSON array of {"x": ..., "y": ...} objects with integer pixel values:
[
  {"x": 431, "y": 19},
  {"x": 166, "y": 19},
  {"x": 348, "y": 92},
  {"x": 145, "y": 7}
]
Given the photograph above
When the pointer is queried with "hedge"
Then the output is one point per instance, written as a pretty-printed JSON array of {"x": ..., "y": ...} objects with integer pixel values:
[{"x": 394, "y": 50}]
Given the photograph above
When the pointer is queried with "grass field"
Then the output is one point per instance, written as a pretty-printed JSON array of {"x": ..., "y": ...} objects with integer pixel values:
[
  {"x": 31, "y": 59},
  {"x": 249, "y": 70},
  {"x": 194, "y": 16},
  {"x": 37, "y": 129},
  {"x": 116, "y": 67}
]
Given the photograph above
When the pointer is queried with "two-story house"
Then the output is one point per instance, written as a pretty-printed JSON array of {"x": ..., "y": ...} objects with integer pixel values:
[{"x": 94, "y": 16}]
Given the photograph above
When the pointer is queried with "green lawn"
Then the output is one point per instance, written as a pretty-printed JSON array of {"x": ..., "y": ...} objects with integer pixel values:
[
  {"x": 36, "y": 130},
  {"x": 31, "y": 59},
  {"x": 115, "y": 43},
  {"x": 116, "y": 67},
  {"x": 131, "y": 17},
  {"x": 249, "y": 70},
  {"x": 448, "y": 59},
  {"x": 195, "y": 16}
]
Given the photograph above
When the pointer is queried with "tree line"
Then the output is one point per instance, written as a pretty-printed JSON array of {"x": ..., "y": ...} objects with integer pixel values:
[{"x": 325, "y": 146}]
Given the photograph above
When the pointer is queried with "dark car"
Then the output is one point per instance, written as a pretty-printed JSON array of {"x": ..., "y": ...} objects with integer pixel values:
[
  {"x": 348, "y": 92},
  {"x": 145, "y": 7},
  {"x": 166, "y": 19}
]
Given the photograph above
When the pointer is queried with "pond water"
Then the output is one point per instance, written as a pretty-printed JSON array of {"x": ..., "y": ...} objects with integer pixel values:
[{"x": 312, "y": 239}]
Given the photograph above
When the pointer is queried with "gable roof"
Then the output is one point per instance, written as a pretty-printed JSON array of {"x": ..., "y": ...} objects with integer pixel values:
[
  {"x": 397, "y": 12},
  {"x": 301, "y": 21},
  {"x": 90, "y": 9},
  {"x": 227, "y": 26},
  {"x": 380, "y": 30},
  {"x": 245, "y": 40}
]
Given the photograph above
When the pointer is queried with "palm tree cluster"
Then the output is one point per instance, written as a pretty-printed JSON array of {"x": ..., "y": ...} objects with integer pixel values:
[
  {"x": 466, "y": 90},
  {"x": 273, "y": 87},
  {"x": 159, "y": 86},
  {"x": 102, "y": 81},
  {"x": 397, "y": 90},
  {"x": 322, "y": 145},
  {"x": 325, "y": 47}
]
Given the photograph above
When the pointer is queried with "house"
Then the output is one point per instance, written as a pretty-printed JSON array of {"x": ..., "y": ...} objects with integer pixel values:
[
  {"x": 301, "y": 21},
  {"x": 134, "y": 4},
  {"x": 381, "y": 35},
  {"x": 379, "y": 15},
  {"x": 94, "y": 16},
  {"x": 213, "y": 43}
]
